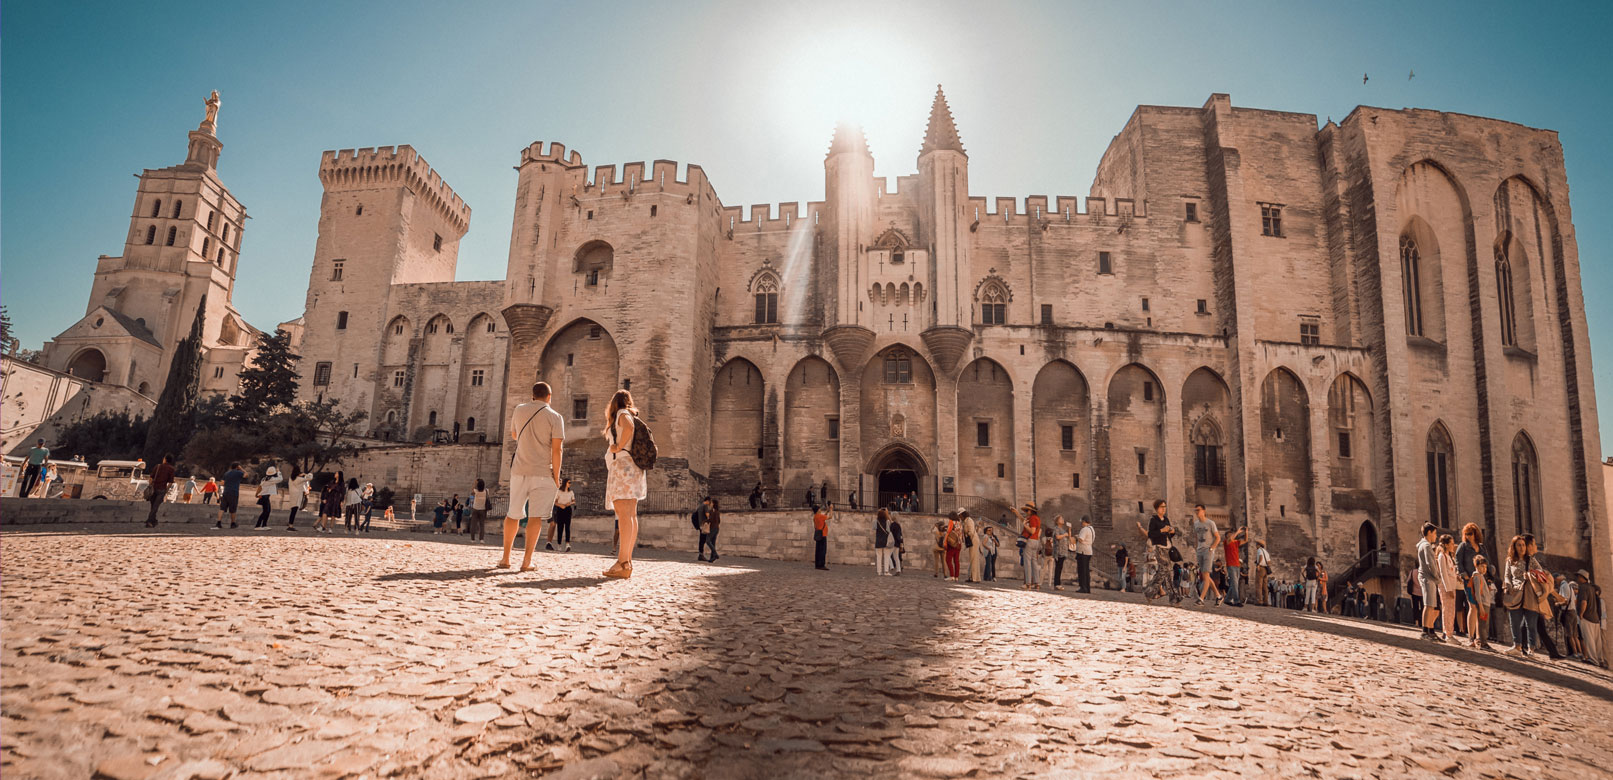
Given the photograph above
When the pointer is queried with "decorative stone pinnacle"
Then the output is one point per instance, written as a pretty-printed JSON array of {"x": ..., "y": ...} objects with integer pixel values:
[
  {"x": 848, "y": 138},
  {"x": 942, "y": 133}
]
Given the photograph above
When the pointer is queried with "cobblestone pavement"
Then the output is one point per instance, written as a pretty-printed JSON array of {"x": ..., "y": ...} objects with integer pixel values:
[{"x": 186, "y": 655}]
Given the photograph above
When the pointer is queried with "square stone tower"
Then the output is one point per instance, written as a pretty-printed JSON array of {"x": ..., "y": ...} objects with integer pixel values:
[{"x": 386, "y": 219}]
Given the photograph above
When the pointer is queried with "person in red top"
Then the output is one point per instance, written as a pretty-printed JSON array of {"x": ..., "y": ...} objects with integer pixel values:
[
  {"x": 1234, "y": 545},
  {"x": 208, "y": 490},
  {"x": 820, "y": 535},
  {"x": 160, "y": 480},
  {"x": 1030, "y": 540},
  {"x": 952, "y": 541}
]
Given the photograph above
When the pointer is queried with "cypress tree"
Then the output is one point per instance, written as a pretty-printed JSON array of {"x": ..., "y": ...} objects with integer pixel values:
[
  {"x": 270, "y": 382},
  {"x": 174, "y": 420}
]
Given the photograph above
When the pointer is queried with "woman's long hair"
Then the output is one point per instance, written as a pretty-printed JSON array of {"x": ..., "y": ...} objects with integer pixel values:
[
  {"x": 621, "y": 400},
  {"x": 1471, "y": 533},
  {"x": 1517, "y": 550}
]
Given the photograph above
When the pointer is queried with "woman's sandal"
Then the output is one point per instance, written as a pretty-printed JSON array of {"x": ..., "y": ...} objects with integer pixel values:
[{"x": 621, "y": 571}]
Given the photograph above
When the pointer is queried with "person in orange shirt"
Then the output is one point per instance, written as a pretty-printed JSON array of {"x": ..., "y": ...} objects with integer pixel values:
[
  {"x": 820, "y": 535},
  {"x": 1030, "y": 541}
]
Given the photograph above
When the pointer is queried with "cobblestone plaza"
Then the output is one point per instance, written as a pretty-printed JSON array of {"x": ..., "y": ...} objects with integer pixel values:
[{"x": 198, "y": 655}]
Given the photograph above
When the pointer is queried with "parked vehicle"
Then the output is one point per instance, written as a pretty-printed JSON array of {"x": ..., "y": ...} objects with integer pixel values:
[
  {"x": 66, "y": 476},
  {"x": 115, "y": 480}
]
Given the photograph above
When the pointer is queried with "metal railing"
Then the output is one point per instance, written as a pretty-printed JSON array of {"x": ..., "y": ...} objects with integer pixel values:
[{"x": 1337, "y": 586}]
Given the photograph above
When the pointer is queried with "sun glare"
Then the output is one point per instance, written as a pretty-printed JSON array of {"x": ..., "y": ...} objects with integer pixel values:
[{"x": 881, "y": 82}]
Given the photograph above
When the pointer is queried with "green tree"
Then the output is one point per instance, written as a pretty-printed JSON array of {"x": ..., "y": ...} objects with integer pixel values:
[
  {"x": 270, "y": 382},
  {"x": 314, "y": 434},
  {"x": 174, "y": 419},
  {"x": 102, "y": 436},
  {"x": 213, "y": 449}
]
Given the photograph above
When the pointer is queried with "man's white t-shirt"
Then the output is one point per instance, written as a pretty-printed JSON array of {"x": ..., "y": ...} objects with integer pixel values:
[
  {"x": 1083, "y": 540},
  {"x": 536, "y": 425}
]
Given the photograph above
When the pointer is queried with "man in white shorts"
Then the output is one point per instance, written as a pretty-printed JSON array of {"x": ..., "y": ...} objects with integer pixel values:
[{"x": 539, "y": 435}]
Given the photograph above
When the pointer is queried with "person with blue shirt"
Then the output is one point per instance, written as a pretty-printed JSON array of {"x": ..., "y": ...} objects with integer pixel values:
[
  {"x": 36, "y": 465},
  {"x": 229, "y": 497}
]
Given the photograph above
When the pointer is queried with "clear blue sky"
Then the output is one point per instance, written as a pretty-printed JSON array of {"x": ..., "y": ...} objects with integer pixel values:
[{"x": 750, "y": 91}]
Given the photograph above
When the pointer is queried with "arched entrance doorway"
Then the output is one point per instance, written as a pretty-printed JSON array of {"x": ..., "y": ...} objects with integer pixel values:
[
  {"x": 1368, "y": 537},
  {"x": 898, "y": 472},
  {"x": 90, "y": 364}
]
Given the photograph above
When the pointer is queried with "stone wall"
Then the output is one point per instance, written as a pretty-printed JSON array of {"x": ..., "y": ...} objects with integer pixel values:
[
  {"x": 434, "y": 470},
  {"x": 39, "y": 401}
]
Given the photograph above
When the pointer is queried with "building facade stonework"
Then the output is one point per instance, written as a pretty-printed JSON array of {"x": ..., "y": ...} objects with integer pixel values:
[
  {"x": 1332, "y": 335},
  {"x": 184, "y": 243}
]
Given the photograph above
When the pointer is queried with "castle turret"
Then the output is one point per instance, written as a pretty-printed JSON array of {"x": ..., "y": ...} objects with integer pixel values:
[
  {"x": 944, "y": 227},
  {"x": 849, "y": 187},
  {"x": 544, "y": 184}
]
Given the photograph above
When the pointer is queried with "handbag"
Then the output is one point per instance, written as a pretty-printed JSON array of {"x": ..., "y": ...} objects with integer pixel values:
[{"x": 146, "y": 495}]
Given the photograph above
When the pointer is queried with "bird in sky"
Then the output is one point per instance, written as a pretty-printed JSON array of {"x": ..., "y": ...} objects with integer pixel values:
[
  {"x": 1411, "y": 75},
  {"x": 1363, "y": 78}
]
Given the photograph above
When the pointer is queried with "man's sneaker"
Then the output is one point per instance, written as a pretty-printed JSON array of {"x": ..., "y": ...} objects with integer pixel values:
[
  {"x": 548, "y": 546},
  {"x": 232, "y": 525},
  {"x": 261, "y": 528},
  {"x": 568, "y": 549},
  {"x": 291, "y": 528},
  {"x": 218, "y": 526}
]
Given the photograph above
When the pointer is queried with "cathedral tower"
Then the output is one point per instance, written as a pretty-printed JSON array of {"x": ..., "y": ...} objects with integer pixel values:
[{"x": 183, "y": 243}]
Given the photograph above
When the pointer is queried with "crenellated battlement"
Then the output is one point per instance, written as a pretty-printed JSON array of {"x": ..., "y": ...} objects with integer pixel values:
[
  {"x": 661, "y": 176},
  {"x": 761, "y": 217},
  {"x": 556, "y": 154},
  {"x": 393, "y": 166},
  {"x": 1065, "y": 208}
]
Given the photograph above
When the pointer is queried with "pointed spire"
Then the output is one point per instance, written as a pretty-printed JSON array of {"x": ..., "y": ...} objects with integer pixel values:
[
  {"x": 848, "y": 138},
  {"x": 941, "y": 134}
]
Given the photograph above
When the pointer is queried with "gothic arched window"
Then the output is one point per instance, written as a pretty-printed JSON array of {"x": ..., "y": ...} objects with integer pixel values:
[
  {"x": 1503, "y": 286},
  {"x": 1441, "y": 456},
  {"x": 156, "y": 208},
  {"x": 1411, "y": 281},
  {"x": 1526, "y": 488},
  {"x": 993, "y": 304},
  {"x": 766, "y": 288},
  {"x": 898, "y": 367},
  {"x": 1209, "y": 464},
  {"x": 894, "y": 242},
  {"x": 594, "y": 260}
]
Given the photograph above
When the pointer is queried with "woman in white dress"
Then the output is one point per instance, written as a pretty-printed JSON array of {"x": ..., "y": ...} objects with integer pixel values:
[{"x": 624, "y": 480}]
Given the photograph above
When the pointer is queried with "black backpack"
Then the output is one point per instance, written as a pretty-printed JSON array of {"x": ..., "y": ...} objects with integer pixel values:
[
  {"x": 694, "y": 517},
  {"x": 642, "y": 447}
]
